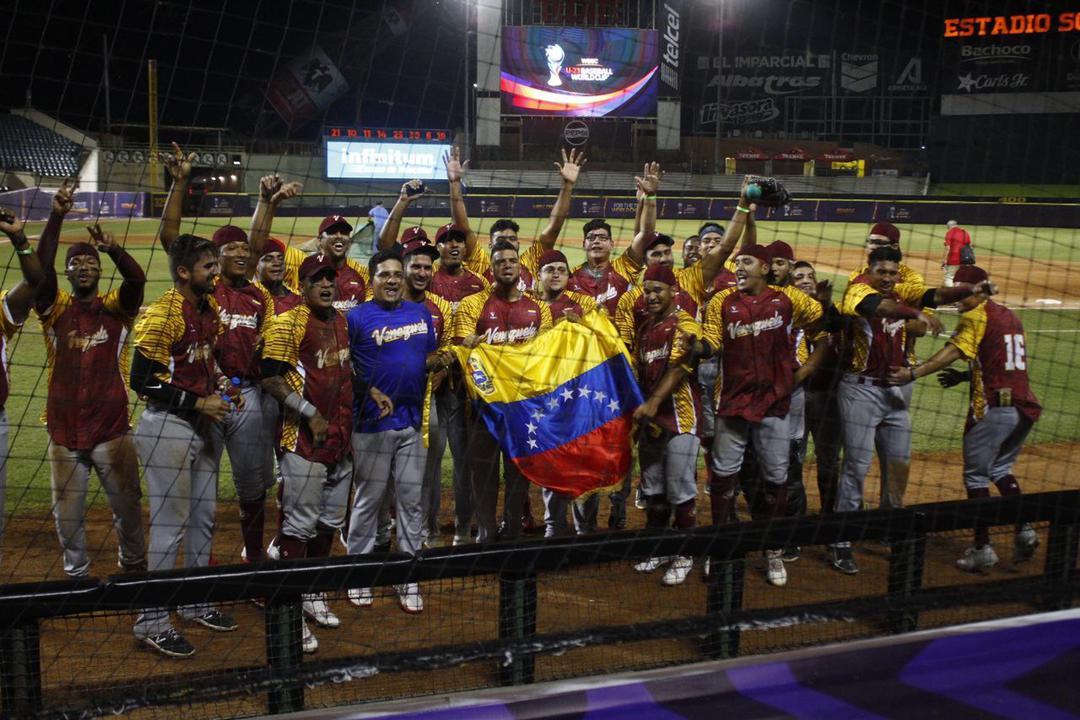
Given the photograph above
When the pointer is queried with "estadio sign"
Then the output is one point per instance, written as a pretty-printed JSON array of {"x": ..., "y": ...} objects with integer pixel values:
[{"x": 1012, "y": 24}]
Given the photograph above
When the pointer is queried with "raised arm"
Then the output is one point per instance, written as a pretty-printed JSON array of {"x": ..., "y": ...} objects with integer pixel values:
[
  {"x": 20, "y": 298},
  {"x": 179, "y": 166},
  {"x": 568, "y": 171},
  {"x": 741, "y": 225},
  {"x": 272, "y": 192},
  {"x": 48, "y": 242},
  {"x": 389, "y": 233},
  {"x": 455, "y": 171},
  {"x": 133, "y": 277}
]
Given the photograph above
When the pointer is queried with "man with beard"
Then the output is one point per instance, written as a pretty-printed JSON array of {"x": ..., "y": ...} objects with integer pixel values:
[
  {"x": 306, "y": 367},
  {"x": 501, "y": 315},
  {"x": 691, "y": 251},
  {"x": 87, "y": 410},
  {"x": 174, "y": 368}
]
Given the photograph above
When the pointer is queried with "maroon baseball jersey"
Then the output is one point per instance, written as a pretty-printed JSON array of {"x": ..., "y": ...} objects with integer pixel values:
[
  {"x": 569, "y": 301},
  {"x": 500, "y": 322},
  {"x": 992, "y": 339},
  {"x": 455, "y": 288},
  {"x": 242, "y": 312},
  {"x": 86, "y": 343},
  {"x": 660, "y": 346},
  {"x": 875, "y": 346},
  {"x": 606, "y": 287},
  {"x": 317, "y": 351},
  {"x": 351, "y": 288},
  {"x": 724, "y": 280},
  {"x": 286, "y": 302},
  {"x": 753, "y": 335},
  {"x": 181, "y": 337}
]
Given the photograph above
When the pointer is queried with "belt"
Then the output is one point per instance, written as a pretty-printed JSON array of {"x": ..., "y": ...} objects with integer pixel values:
[
  {"x": 864, "y": 380},
  {"x": 190, "y": 416}
]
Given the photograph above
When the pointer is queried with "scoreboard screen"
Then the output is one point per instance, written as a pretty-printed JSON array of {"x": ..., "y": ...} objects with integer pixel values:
[{"x": 360, "y": 153}]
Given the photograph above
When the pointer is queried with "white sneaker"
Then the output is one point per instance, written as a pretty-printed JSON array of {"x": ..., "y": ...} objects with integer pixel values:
[
  {"x": 409, "y": 597},
  {"x": 361, "y": 597},
  {"x": 462, "y": 540},
  {"x": 676, "y": 574},
  {"x": 315, "y": 607},
  {"x": 272, "y": 550},
  {"x": 978, "y": 560},
  {"x": 1025, "y": 543},
  {"x": 310, "y": 642},
  {"x": 652, "y": 563},
  {"x": 776, "y": 573}
]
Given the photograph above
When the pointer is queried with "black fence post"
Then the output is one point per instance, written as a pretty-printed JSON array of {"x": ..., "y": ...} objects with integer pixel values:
[
  {"x": 906, "y": 558},
  {"x": 284, "y": 653},
  {"x": 517, "y": 621},
  {"x": 723, "y": 597},
  {"x": 20, "y": 669},
  {"x": 1061, "y": 551}
]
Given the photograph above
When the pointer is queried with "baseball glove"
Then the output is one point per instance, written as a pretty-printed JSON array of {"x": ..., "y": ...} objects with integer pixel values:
[{"x": 773, "y": 192}]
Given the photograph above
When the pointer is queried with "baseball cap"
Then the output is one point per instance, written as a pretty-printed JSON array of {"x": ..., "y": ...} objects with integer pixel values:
[
  {"x": 654, "y": 239},
  {"x": 417, "y": 243},
  {"x": 228, "y": 234},
  {"x": 412, "y": 233},
  {"x": 970, "y": 274},
  {"x": 82, "y": 248},
  {"x": 274, "y": 245},
  {"x": 443, "y": 234},
  {"x": 314, "y": 265},
  {"x": 756, "y": 251},
  {"x": 660, "y": 273},
  {"x": 780, "y": 249},
  {"x": 885, "y": 231},
  {"x": 552, "y": 256},
  {"x": 332, "y": 221}
]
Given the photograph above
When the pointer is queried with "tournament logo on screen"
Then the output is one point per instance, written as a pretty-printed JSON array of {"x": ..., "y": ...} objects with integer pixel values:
[{"x": 579, "y": 71}]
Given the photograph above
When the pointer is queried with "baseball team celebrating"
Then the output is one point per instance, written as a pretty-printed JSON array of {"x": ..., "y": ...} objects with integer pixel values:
[{"x": 336, "y": 382}]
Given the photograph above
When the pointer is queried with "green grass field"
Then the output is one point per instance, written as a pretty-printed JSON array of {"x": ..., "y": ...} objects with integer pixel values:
[{"x": 1053, "y": 335}]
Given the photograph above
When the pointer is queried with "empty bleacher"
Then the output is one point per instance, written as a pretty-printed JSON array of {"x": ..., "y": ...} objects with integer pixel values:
[{"x": 26, "y": 146}]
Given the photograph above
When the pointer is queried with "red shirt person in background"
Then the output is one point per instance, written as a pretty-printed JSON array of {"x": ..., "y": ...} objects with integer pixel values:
[{"x": 956, "y": 237}]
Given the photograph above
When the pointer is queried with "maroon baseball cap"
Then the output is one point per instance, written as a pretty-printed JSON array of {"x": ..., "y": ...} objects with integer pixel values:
[
  {"x": 885, "y": 231},
  {"x": 443, "y": 234},
  {"x": 654, "y": 239},
  {"x": 780, "y": 249},
  {"x": 412, "y": 233},
  {"x": 315, "y": 264},
  {"x": 417, "y": 243},
  {"x": 970, "y": 274},
  {"x": 228, "y": 234},
  {"x": 274, "y": 245},
  {"x": 660, "y": 273},
  {"x": 552, "y": 256},
  {"x": 333, "y": 221},
  {"x": 756, "y": 251}
]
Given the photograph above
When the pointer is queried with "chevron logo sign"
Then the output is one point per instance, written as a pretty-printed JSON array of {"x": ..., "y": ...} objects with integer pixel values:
[{"x": 858, "y": 72}]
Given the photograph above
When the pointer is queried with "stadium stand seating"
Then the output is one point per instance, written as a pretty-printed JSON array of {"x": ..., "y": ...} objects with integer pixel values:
[{"x": 27, "y": 146}]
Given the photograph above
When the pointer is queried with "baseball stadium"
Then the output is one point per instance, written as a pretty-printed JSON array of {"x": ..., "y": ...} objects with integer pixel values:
[{"x": 540, "y": 359}]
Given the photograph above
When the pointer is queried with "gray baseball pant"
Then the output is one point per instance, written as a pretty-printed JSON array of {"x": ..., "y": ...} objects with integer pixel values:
[
  {"x": 992, "y": 445},
  {"x": 585, "y": 513},
  {"x": 181, "y": 482},
  {"x": 707, "y": 373},
  {"x": 669, "y": 467},
  {"x": 243, "y": 434},
  {"x": 431, "y": 496},
  {"x": 313, "y": 494},
  {"x": 118, "y": 470},
  {"x": 397, "y": 454},
  {"x": 450, "y": 409},
  {"x": 771, "y": 439},
  {"x": 873, "y": 414}
]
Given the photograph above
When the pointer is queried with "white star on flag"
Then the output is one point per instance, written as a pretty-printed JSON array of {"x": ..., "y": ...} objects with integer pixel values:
[
  {"x": 599, "y": 396},
  {"x": 584, "y": 392},
  {"x": 568, "y": 394},
  {"x": 613, "y": 405},
  {"x": 537, "y": 414},
  {"x": 553, "y": 403},
  {"x": 532, "y": 443},
  {"x": 531, "y": 428}
]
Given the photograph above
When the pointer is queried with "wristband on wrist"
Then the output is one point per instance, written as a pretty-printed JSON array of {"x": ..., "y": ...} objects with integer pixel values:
[
  {"x": 650, "y": 198},
  {"x": 741, "y": 209},
  {"x": 24, "y": 250},
  {"x": 299, "y": 405}
]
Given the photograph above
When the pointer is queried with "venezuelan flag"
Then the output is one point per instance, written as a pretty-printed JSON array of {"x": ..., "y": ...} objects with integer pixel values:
[{"x": 561, "y": 404}]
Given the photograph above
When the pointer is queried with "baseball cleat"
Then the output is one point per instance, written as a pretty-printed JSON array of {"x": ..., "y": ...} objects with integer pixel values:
[
  {"x": 170, "y": 643},
  {"x": 647, "y": 566},
  {"x": 678, "y": 570},
  {"x": 315, "y": 607},
  {"x": 978, "y": 559},
  {"x": 639, "y": 498},
  {"x": 409, "y": 597},
  {"x": 361, "y": 597},
  {"x": 1025, "y": 543},
  {"x": 216, "y": 620},
  {"x": 308, "y": 639},
  {"x": 462, "y": 540},
  {"x": 843, "y": 559},
  {"x": 776, "y": 574}
]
